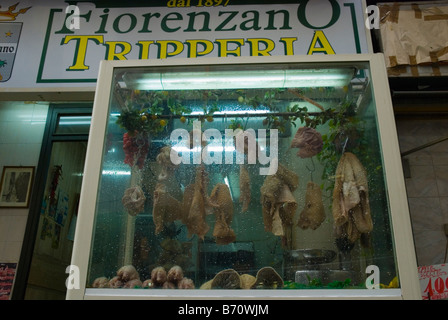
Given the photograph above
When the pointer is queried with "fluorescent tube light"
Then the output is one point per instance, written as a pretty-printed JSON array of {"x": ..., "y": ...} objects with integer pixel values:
[
  {"x": 245, "y": 79},
  {"x": 74, "y": 120}
]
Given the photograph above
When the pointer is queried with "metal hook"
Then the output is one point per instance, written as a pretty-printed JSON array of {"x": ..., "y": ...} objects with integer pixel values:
[
  {"x": 311, "y": 170},
  {"x": 245, "y": 125},
  {"x": 345, "y": 145}
]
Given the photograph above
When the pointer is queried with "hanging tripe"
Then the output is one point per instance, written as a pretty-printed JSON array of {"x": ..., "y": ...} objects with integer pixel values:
[
  {"x": 313, "y": 214},
  {"x": 351, "y": 209},
  {"x": 222, "y": 231},
  {"x": 167, "y": 166},
  {"x": 278, "y": 203},
  {"x": 197, "y": 204},
  {"x": 133, "y": 200},
  {"x": 309, "y": 141},
  {"x": 166, "y": 209}
]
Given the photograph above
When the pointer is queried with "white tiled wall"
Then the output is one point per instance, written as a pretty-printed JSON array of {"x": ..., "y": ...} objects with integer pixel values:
[
  {"x": 427, "y": 186},
  {"x": 21, "y": 131}
]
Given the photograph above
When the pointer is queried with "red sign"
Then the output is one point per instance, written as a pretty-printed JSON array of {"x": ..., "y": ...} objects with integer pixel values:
[
  {"x": 7, "y": 273},
  {"x": 434, "y": 281}
]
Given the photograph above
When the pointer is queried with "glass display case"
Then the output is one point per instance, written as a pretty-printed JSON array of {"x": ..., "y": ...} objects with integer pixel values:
[{"x": 273, "y": 177}]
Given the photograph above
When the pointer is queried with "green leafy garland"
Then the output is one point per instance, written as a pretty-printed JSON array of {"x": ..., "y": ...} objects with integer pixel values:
[{"x": 142, "y": 113}]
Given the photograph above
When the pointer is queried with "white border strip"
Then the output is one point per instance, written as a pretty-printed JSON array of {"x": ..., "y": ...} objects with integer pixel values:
[{"x": 292, "y": 294}]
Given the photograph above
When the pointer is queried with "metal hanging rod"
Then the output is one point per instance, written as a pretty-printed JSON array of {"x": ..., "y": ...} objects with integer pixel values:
[{"x": 236, "y": 115}]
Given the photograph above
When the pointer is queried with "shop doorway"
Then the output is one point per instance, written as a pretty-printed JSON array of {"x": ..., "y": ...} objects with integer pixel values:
[{"x": 49, "y": 235}]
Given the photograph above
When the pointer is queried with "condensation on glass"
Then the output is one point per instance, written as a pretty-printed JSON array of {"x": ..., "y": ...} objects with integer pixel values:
[{"x": 242, "y": 177}]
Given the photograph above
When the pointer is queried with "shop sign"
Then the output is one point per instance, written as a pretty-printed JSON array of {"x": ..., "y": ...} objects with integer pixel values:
[
  {"x": 434, "y": 281},
  {"x": 77, "y": 36}
]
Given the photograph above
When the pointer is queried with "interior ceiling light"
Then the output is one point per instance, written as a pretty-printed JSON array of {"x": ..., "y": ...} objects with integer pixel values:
[{"x": 246, "y": 79}]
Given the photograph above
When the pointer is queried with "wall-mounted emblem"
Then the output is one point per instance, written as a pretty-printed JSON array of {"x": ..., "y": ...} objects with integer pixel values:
[{"x": 9, "y": 39}]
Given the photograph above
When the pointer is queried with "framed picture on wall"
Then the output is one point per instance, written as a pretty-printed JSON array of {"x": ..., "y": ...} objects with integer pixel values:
[{"x": 15, "y": 187}]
